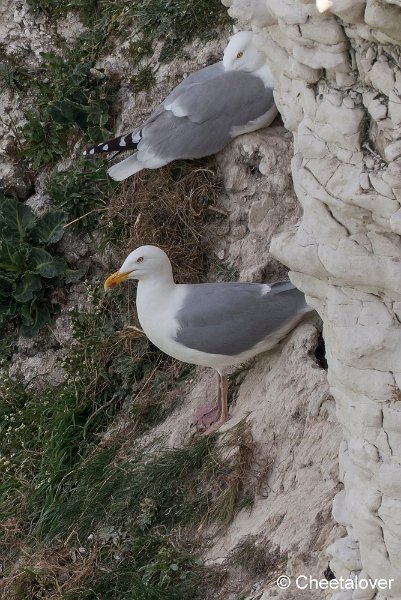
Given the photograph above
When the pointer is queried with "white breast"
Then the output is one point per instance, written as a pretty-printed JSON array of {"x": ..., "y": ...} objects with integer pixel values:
[{"x": 156, "y": 306}]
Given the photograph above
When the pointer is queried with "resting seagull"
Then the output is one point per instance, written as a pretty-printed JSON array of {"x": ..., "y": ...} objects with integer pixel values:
[
  {"x": 215, "y": 325},
  {"x": 203, "y": 113}
]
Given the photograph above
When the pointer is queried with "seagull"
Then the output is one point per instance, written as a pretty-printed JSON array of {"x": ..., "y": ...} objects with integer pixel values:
[
  {"x": 216, "y": 325},
  {"x": 203, "y": 113}
]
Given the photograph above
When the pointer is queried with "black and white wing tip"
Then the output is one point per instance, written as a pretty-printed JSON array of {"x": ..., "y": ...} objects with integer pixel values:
[{"x": 119, "y": 144}]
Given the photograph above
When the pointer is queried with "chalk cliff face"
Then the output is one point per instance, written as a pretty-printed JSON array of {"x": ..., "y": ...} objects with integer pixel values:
[{"x": 338, "y": 89}]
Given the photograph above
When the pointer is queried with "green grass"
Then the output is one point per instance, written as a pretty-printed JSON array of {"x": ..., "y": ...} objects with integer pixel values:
[
  {"x": 44, "y": 434},
  {"x": 13, "y": 76},
  {"x": 140, "y": 512},
  {"x": 88, "y": 9},
  {"x": 137, "y": 50},
  {"x": 144, "y": 495},
  {"x": 143, "y": 80},
  {"x": 130, "y": 513},
  {"x": 82, "y": 191},
  {"x": 178, "y": 22}
]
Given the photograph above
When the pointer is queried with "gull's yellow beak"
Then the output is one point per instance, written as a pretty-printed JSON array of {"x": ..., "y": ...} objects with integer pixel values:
[{"x": 115, "y": 279}]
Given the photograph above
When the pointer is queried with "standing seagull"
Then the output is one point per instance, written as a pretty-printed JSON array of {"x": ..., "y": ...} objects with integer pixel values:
[
  {"x": 216, "y": 325},
  {"x": 203, "y": 113}
]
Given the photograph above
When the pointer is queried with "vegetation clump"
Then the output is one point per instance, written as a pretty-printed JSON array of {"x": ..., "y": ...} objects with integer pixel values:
[
  {"x": 137, "y": 50},
  {"x": 143, "y": 80},
  {"x": 70, "y": 101},
  {"x": 29, "y": 271},
  {"x": 46, "y": 432},
  {"x": 178, "y": 22},
  {"x": 82, "y": 191},
  {"x": 175, "y": 22},
  {"x": 13, "y": 76}
]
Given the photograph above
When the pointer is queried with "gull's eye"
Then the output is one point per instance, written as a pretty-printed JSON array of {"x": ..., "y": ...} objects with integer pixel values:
[
  {"x": 240, "y": 54},
  {"x": 140, "y": 259}
]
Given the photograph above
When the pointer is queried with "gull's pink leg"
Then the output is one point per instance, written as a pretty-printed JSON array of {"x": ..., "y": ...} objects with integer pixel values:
[
  {"x": 207, "y": 414},
  {"x": 223, "y": 416}
]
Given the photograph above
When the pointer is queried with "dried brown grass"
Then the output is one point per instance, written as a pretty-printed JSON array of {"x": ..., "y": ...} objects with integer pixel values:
[
  {"x": 50, "y": 572},
  {"x": 170, "y": 208}
]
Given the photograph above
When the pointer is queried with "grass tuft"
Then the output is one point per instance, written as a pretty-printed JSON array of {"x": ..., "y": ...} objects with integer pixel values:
[
  {"x": 236, "y": 469},
  {"x": 253, "y": 555},
  {"x": 168, "y": 207},
  {"x": 82, "y": 191},
  {"x": 143, "y": 80},
  {"x": 178, "y": 22}
]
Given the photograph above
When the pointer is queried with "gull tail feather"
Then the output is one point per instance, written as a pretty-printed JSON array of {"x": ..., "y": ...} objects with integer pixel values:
[
  {"x": 118, "y": 144},
  {"x": 125, "y": 168}
]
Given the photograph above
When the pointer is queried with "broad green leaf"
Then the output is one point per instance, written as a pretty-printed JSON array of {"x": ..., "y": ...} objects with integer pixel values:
[
  {"x": 6, "y": 282},
  {"x": 45, "y": 264},
  {"x": 28, "y": 284},
  {"x": 20, "y": 259},
  {"x": 16, "y": 219},
  {"x": 6, "y": 289},
  {"x": 40, "y": 317},
  {"x": 49, "y": 229},
  {"x": 73, "y": 275},
  {"x": 13, "y": 261},
  {"x": 25, "y": 313},
  {"x": 66, "y": 111},
  {"x": 8, "y": 307},
  {"x": 7, "y": 252}
]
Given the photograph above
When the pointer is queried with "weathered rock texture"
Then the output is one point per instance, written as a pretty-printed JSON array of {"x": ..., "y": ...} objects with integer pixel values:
[
  {"x": 23, "y": 37},
  {"x": 338, "y": 77}
]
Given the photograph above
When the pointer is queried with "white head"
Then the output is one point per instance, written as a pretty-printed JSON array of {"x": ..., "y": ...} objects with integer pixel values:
[
  {"x": 242, "y": 53},
  {"x": 146, "y": 262},
  {"x": 323, "y": 5}
]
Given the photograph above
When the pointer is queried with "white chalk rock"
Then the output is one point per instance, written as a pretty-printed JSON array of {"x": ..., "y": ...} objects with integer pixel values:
[
  {"x": 382, "y": 77},
  {"x": 340, "y": 513},
  {"x": 346, "y": 550},
  {"x": 384, "y": 17},
  {"x": 393, "y": 151},
  {"x": 346, "y": 253},
  {"x": 395, "y": 222}
]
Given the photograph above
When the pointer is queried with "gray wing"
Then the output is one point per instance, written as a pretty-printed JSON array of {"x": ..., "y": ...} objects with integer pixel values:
[
  {"x": 241, "y": 94},
  {"x": 231, "y": 318},
  {"x": 205, "y": 74},
  {"x": 196, "y": 120}
]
